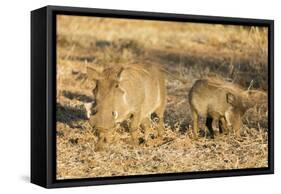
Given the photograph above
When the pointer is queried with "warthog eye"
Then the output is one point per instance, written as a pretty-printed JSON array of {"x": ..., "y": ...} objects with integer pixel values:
[
  {"x": 114, "y": 114},
  {"x": 117, "y": 85}
]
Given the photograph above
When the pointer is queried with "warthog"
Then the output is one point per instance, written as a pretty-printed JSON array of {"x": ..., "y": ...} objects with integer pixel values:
[
  {"x": 127, "y": 93},
  {"x": 218, "y": 100}
]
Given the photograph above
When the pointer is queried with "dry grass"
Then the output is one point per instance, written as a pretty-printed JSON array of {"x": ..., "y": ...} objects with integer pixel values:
[{"x": 187, "y": 50}]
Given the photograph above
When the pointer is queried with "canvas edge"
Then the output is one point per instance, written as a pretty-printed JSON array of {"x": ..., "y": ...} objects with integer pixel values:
[
  {"x": 38, "y": 97},
  {"x": 50, "y": 176}
]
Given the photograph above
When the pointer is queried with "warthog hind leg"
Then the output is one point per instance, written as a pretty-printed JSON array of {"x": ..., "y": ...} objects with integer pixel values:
[{"x": 195, "y": 123}]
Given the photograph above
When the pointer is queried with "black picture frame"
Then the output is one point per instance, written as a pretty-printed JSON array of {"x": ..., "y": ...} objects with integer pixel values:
[{"x": 43, "y": 96}]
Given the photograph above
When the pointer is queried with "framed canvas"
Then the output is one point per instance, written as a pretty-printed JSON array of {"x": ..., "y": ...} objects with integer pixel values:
[{"x": 126, "y": 96}]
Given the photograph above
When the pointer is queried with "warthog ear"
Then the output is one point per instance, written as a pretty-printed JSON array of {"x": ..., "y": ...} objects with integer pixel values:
[
  {"x": 112, "y": 73},
  {"x": 94, "y": 74},
  {"x": 230, "y": 98}
]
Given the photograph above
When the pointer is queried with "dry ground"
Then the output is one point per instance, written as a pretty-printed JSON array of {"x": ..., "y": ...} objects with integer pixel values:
[{"x": 189, "y": 51}]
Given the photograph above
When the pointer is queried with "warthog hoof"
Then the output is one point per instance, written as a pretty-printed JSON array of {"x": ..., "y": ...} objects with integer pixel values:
[{"x": 99, "y": 147}]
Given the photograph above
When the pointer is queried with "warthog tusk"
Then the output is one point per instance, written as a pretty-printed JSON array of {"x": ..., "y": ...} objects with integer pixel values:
[{"x": 88, "y": 107}]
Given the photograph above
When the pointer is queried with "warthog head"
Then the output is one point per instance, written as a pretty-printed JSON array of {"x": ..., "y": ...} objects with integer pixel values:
[
  {"x": 106, "y": 92},
  {"x": 240, "y": 103}
]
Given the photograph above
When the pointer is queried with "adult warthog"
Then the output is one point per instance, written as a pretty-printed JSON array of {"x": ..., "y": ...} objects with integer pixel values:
[
  {"x": 131, "y": 92},
  {"x": 222, "y": 101}
]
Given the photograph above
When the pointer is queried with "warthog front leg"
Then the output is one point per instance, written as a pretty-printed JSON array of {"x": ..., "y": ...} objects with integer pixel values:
[
  {"x": 146, "y": 124},
  {"x": 102, "y": 139},
  {"x": 150, "y": 137},
  {"x": 237, "y": 124},
  {"x": 160, "y": 127},
  {"x": 135, "y": 124},
  {"x": 223, "y": 125}
]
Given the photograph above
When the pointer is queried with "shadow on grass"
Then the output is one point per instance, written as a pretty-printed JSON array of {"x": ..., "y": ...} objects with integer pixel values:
[
  {"x": 69, "y": 115},
  {"x": 245, "y": 71},
  {"x": 74, "y": 95}
]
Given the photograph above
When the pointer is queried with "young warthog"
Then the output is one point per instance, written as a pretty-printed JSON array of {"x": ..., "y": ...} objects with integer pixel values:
[
  {"x": 129, "y": 92},
  {"x": 218, "y": 100}
]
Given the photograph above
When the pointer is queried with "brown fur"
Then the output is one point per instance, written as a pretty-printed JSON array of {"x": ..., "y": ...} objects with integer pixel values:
[
  {"x": 128, "y": 92},
  {"x": 219, "y": 100}
]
